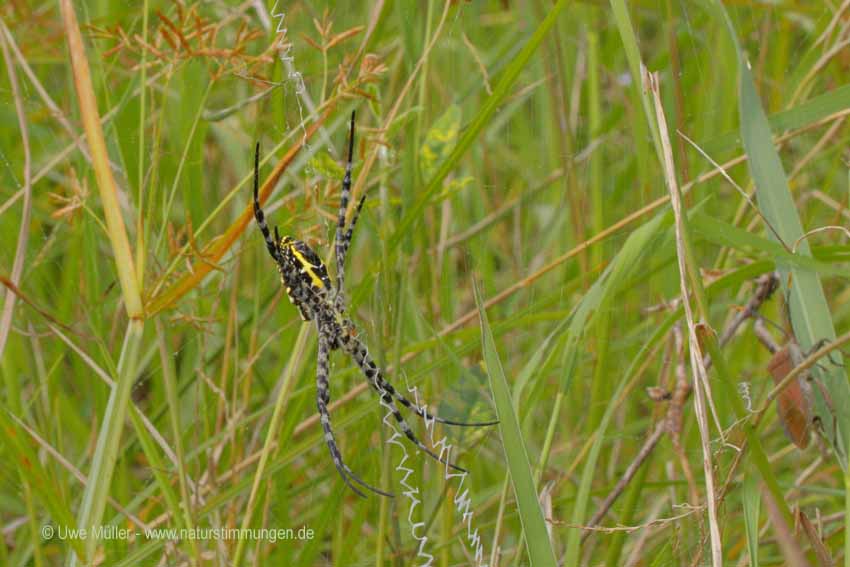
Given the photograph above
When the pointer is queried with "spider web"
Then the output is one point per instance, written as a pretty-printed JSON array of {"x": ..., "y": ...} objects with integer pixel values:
[{"x": 462, "y": 502}]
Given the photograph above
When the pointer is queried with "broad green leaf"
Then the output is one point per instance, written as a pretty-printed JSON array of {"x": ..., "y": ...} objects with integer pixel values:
[
  {"x": 540, "y": 550},
  {"x": 810, "y": 313}
]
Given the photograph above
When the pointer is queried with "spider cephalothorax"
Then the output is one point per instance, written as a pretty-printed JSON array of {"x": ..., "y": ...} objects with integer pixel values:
[{"x": 317, "y": 299}]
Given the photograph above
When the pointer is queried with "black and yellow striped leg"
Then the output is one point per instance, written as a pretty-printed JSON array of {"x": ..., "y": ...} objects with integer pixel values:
[
  {"x": 342, "y": 239},
  {"x": 272, "y": 245},
  {"x": 322, "y": 399},
  {"x": 350, "y": 231},
  {"x": 340, "y": 245},
  {"x": 339, "y": 301},
  {"x": 376, "y": 378},
  {"x": 360, "y": 354}
]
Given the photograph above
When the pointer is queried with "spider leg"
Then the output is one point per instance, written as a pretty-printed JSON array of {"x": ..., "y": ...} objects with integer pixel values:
[
  {"x": 322, "y": 399},
  {"x": 339, "y": 302},
  {"x": 258, "y": 211},
  {"x": 350, "y": 231},
  {"x": 387, "y": 398},
  {"x": 376, "y": 378},
  {"x": 340, "y": 244},
  {"x": 360, "y": 354}
]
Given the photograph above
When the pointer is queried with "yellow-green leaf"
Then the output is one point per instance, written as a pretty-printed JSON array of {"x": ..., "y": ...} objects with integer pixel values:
[{"x": 440, "y": 141}]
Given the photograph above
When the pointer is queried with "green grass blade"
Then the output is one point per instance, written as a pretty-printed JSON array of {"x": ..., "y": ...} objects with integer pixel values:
[
  {"x": 805, "y": 114},
  {"x": 160, "y": 468},
  {"x": 728, "y": 235},
  {"x": 630, "y": 46},
  {"x": 500, "y": 91},
  {"x": 810, "y": 313},
  {"x": 751, "y": 498},
  {"x": 106, "y": 452},
  {"x": 597, "y": 299},
  {"x": 540, "y": 550},
  {"x": 536, "y": 361},
  {"x": 19, "y": 452},
  {"x": 846, "y": 515},
  {"x": 274, "y": 427},
  {"x": 170, "y": 383}
]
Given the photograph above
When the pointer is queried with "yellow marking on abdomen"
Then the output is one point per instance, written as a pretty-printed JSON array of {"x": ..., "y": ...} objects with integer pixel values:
[{"x": 308, "y": 268}]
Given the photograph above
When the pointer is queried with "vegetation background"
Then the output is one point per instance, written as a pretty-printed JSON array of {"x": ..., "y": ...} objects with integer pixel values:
[{"x": 517, "y": 156}]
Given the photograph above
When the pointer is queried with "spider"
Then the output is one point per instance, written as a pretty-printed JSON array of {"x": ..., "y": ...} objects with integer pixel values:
[{"x": 310, "y": 289}]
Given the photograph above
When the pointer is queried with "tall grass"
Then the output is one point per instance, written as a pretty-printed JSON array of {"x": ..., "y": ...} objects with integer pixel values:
[{"x": 154, "y": 375}]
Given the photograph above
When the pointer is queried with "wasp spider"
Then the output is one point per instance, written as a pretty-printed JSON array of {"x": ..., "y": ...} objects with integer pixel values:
[{"x": 310, "y": 289}]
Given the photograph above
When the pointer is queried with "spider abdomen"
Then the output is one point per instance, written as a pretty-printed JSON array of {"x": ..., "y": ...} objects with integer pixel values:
[{"x": 304, "y": 275}]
